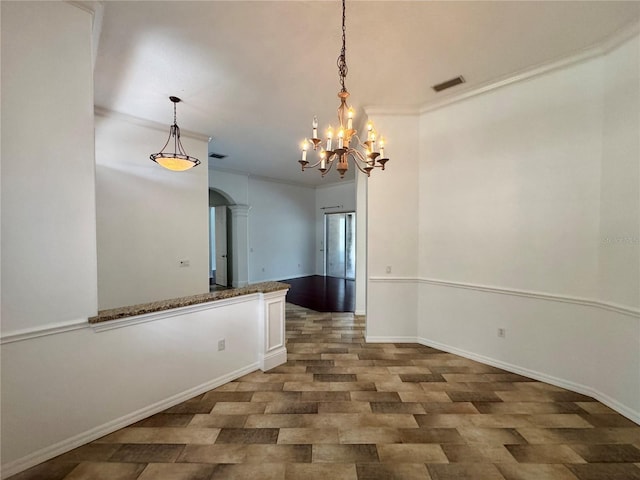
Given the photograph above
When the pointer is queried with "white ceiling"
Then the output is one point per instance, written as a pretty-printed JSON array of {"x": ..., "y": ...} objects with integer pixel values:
[{"x": 252, "y": 74}]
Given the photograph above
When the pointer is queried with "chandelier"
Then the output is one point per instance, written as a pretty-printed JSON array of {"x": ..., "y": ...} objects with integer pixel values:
[
  {"x": 348, "y": 145},
  {"x": 178, "y": 161}
]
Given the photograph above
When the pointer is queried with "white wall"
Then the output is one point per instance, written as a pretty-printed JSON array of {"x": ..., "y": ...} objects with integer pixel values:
[
  {"x": 286, "y": 223},
  {"x": 392, "y": 210},
  {"x": 64, "y": 383},
  {"x": 281, "y": 224},
  {"x": 63, "y": 390},
  {"x": 148, "y": 218},
  {"x": 234, "y": 185},
  {"x": 48, "y": 209},
  {"x": 518, "y": 188},
  {"x": 570, "y": 344},
  {"x": 510, "y": 185},
  {"x": 281, "y": 230},
  {"x": 528, "y": 220},
  {"x": 619, "y": 244},
  {"x": 341, "y": 195}
]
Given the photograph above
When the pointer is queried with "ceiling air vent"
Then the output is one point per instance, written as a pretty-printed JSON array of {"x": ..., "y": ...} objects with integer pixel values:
[
  {"x": 217, "y": 155},
  {"x": 449, "y": 83}
]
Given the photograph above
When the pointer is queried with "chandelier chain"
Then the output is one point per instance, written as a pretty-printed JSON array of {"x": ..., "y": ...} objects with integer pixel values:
[{"x": 342, "y": 59}]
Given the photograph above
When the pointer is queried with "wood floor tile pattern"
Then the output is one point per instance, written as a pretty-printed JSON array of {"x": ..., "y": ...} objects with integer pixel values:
[{"x": 344, "y": 409}]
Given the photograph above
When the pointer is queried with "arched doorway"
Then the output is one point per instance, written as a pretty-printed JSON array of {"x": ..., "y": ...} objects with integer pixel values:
[
  {"x": 228, "y": 242},
  {"x": 219, "y": 240}
]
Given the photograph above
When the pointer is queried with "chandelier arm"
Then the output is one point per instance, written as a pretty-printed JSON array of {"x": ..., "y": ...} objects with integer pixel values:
[
  {"x": 319, "y": 162},
  {"x": 329, "y": 166},
  {"x": 330, "y": 161},
  {"x": 356, "y": 162},
  {"x": 314, "y": 165},
  {"x": 360, "y": 144},
  {"x": 358, "y": 157}
]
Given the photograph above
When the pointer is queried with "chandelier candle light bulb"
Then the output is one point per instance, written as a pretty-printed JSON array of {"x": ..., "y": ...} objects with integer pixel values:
[{"x": 363, "y": 154}]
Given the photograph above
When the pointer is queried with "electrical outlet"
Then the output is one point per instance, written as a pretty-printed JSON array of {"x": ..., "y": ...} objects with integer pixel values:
[
  {"x": 184, "y": 262},
  {"x": 221, "y": 345},
  {"x": 502, "y": 332}
]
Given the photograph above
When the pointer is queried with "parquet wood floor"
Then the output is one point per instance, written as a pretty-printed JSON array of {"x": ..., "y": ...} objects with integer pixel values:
[{"x": 344, "y": 409}]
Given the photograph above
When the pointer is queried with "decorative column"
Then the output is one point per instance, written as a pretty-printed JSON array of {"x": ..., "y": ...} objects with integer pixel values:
[{"x": 239, "y": 245}]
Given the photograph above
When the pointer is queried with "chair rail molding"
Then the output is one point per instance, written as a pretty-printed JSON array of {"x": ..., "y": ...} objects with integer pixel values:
[{"x": 590, "y": 302}]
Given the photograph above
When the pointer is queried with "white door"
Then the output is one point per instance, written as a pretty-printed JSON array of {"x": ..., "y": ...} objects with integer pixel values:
[{"x": 221, "y": 245}]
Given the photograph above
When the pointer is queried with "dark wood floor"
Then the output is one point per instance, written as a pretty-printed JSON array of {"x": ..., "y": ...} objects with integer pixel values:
[{"x": 322, "y": 294}]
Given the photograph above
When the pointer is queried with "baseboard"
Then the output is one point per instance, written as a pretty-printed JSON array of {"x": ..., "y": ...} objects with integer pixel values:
[
  {"x": 64, "y": 446},
  {"x": 622, "y": 409},
  {"x": 273, "y": 359},
  {"x": 631, "y": 414}
]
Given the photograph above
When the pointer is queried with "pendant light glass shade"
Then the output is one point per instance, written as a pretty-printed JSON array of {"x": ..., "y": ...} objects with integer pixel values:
[{"x": 178, "y": 161}]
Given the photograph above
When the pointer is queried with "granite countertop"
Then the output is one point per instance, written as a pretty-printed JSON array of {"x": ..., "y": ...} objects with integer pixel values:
[{"x": 141, "y": 309}]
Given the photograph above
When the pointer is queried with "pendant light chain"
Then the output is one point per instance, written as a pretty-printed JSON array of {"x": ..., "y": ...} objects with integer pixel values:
[{"x": 342, "y": 59}]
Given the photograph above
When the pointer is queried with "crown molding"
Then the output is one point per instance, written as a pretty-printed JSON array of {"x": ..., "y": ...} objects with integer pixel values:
[
  {"x": 601, "y": 48},
  {"x": 593, "y": 51},
  {"x": 143, "y": 122},
  {"x": 619, "y": 37},
  {"x": 96, "y": 10},
  {"x": 88, "y": 6},
  {"x": 275, "y": 180}
]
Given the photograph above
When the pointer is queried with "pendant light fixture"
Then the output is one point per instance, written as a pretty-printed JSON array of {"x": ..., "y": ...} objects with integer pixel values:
[
  {"x": 177, "y": 161},
  {"x": 348, "y": 145}
]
